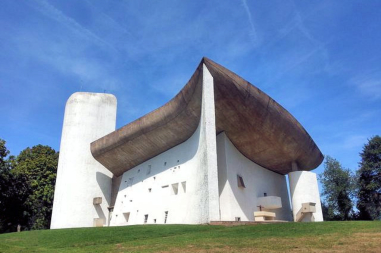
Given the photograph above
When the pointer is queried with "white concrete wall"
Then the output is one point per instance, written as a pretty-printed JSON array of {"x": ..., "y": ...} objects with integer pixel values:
[
  {"x": 243, "y": 202},
  {"x": 304, "y": 188},
  {"x": 175, "y": 166},
  {"x": 194, "y": 162},
  {"x": 80, "y": 178}
]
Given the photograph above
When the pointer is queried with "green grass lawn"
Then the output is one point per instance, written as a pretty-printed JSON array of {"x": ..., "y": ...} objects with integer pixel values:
[{"x": 357, "y": 236}]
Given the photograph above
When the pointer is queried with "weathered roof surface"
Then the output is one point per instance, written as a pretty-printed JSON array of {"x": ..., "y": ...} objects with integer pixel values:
[{"x": 259, "y": 127}]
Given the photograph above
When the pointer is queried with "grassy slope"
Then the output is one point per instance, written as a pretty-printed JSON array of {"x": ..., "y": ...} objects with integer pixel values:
[{"x": 301, "y": 237}]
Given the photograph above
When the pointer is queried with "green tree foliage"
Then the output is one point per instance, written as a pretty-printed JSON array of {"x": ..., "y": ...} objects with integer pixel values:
[
  {"x": 369, "y": 180},
  {"x": 338, "y": 188},
  {"x": 38, "y": 166},
  {"x": 4, "y": 185},
  {"x": 13, "y": 192},
  {"x": 27, "y": 187}
]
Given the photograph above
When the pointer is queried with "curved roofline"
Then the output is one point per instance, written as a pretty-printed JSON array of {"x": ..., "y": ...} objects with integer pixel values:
[{"x": 260, "y": 128}]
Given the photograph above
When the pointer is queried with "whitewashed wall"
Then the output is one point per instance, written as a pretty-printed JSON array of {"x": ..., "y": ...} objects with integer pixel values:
[
  {"x": 243, "y": 202},
  {"x": 304, "y": 188},
  {"x": 175, "y": 166},
  {"x": 80, "y": 178},
  {"x": 192, "y": 163}
]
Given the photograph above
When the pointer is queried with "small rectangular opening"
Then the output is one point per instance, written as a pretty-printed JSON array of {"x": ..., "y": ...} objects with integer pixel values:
[
  {"x": 175, "y": 189},
  {"x": 240, "y": 182},
  {"x": 184, "y": 185},
  {"x": 164, "y": 186},
  {"x": 149, "y": 189},
  {"x": 145, "y": 218},
  {"x": 126, "y": 216},
  {"x": 154, "y": 220},
  {"x": 237, "y": 218},
  {"x": 165, "y": 217}
]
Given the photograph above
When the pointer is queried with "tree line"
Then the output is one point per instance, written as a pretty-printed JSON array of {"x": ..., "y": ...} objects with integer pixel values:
[
  {"x": 353, "y": 196},
  {"x": 27, "y": 187}
]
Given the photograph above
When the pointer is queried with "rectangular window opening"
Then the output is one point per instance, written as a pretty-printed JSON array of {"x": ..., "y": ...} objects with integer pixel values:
[
  {"x": 240, "y": 182},
  {"x": 165, "y": 217},
  {"x": 145, "y": 218},
  {"x": 237, "y": 218},
  {"x": 184, "y": 185},
  {"x": 154, "y": 220},
  {"x": 149, "y": 189}
]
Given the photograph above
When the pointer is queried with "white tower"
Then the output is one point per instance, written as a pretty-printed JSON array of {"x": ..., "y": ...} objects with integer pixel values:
[
  {"x": 82, "y": 182},
  {"x": 304, "y": 190}
]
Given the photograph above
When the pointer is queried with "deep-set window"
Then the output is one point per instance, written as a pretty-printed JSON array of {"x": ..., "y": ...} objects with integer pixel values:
[{"x": 240, "y": 182}]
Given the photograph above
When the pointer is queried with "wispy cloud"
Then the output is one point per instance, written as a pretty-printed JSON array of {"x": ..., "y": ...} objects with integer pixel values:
[
  {"x": 53, "y": 13},
  {"x": 253, "y": 34},
  {"x": 369, "y": 84}
]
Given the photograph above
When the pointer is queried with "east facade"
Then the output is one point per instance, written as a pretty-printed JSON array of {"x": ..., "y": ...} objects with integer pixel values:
[{"x": 220, "y": 150}]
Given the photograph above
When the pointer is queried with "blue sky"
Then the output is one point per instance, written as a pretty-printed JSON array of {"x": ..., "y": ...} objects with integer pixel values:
[{"x": 318, "y": 59}]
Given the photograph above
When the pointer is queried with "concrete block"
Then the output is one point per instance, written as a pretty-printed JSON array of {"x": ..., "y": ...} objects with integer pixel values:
[
  {"x": 98, "y": 222},
  {"x": 264, "y": 215},
  {"x": 97, "y": 201}
]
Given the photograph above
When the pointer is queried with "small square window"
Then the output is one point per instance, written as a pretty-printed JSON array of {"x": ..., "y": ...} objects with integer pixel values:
[
  {"x": 149, "y": 189},
  {"x": 237, "y": 218}
]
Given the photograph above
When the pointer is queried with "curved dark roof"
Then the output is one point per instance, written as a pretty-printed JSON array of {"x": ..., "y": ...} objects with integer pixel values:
[{"x": 260, "y": 128}]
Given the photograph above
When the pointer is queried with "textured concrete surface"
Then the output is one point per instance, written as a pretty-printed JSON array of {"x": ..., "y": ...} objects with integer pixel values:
[
  {"x": 259, "y": 127},
  {"x": 80, "y": 178}
]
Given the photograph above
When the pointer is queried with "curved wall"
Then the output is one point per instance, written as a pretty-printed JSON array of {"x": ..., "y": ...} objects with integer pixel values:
[
  {"x": 80, "y": 178},
  {"x": 243, "y": 202},
  {"x": 303, "y": 189}
]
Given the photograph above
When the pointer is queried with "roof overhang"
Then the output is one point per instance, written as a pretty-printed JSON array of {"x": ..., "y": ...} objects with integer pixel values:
[{"x": 260, "y": 128}]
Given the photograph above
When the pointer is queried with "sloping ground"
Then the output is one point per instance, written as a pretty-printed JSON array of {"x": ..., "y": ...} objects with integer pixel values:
[{"x": 282, "y": 237}]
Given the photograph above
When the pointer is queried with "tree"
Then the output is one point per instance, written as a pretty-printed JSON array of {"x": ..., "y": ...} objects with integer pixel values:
[
  {"x": 4, "y": 184},
  {"x": 12, "y": 193},
  {"x": 338, "y": 187},
  {"x": 369, "y": 180},
  {"x": 38, "y": 166}
]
